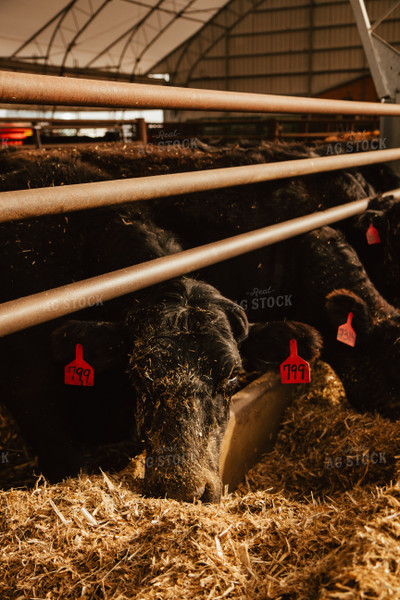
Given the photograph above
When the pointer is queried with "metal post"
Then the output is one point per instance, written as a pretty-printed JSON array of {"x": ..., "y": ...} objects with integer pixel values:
[
  {"x": 377, "y": 66},
  {"x": 311, "y": 11},
  {"x": 390, "y": 132},
  {"x": 122, "y": 133},
  {"x": 384, "y": 64},
  {"x": 142, "y": 131},
  {"x": 36, "y": 135}
]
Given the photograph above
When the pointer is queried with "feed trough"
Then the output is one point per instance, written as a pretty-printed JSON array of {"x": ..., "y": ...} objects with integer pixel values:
[{"x": 255, "y": 418}]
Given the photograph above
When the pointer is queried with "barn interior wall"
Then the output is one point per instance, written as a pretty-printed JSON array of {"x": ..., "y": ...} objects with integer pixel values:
[{"x": 291, "y": 47}]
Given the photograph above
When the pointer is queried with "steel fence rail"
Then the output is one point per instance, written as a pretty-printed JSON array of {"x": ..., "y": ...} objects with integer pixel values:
[
  {"x": 21, "y": 204},
  {"x": 16, "y": 315},
  {"x": 25, "y": 88},
  {"x": 63, "y": 123}
]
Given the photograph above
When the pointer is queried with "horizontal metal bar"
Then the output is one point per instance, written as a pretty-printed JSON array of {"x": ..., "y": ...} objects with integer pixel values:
[
  {"x": 289, "y": 31},
  {"x": 265, "y": 55},
  {"x": 25, "y": 88},
  {"x": 243, "y": 120},
  {"x": 16, "y": 315},
  {"x": 279, "y": 8},
  {"x": 21, "y": 204},
  {"x": 42, "y": 121},
  {"x": 64, "y": 123},
  {"x": 270, "y": 75}
]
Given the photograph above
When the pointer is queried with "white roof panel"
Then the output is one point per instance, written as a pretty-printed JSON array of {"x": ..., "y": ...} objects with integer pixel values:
[{"x": 118, "y": 36}]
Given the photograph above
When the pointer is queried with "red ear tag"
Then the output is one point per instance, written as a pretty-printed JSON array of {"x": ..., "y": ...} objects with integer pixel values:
[
  {"x": 294, "y": 369},
  {"x": 373, "y": 235},
  {"x": 346, "y": 333},
  {"x": 78, "y": 372}
]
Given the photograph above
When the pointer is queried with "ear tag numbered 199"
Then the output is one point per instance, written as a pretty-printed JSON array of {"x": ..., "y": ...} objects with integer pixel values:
[
  {"x": 78, "y": 372},
  {"x": 294, "y": 369},
  {"x": 346, "y": 333},
  {"x": 373, "y": 235}
]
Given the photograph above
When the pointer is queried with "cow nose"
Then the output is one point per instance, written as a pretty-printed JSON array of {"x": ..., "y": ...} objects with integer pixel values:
[
  {"x": 211, "y": 493},
  {"x": 199, "y": 493}
]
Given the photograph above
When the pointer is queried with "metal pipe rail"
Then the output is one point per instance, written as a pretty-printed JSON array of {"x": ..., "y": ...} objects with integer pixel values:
[
  {"x": 25, "y": 88},
  {"x": 63, "y": 123},
  {"x": 16, "y": 315},
  {"x": 22, "y": 204}
]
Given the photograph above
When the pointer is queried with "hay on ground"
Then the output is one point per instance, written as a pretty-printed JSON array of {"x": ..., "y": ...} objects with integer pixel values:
[{"x": 311, "y": 521}]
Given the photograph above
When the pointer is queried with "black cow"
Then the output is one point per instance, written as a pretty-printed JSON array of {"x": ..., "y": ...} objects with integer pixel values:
[
  {"x": 202, "y": 218},
  {"x": 338, "y": 285},
  {"x": 165, "y": 359},
  {"x": 320, "y": 280},
  {"x": 296, "y": 279},
  {"x": 383, "y": 259}
]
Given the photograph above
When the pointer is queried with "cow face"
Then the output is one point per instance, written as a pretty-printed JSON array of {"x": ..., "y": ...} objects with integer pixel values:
[
  {"x": 384, "y": 214},
  {"x": 183, "y": 367},
  {"x": 179, "y": 348},
  {"x": 392, "y": 247},
  {"x": 370, "y": 370}
]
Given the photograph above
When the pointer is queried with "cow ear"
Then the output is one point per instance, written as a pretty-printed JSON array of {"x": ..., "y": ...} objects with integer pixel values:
[
  {"x": 237, "y": 320},
  {"x": 376, "y": 217},
  {"x": 340, "y": 303},
  {"x": 382, "y": 203},
  {"x": 104, "y": 344},
  {"x": 270, "y": 343}
]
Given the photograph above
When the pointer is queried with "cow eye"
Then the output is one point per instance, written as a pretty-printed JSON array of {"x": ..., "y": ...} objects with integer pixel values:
[{"x": 233, "y": 381}]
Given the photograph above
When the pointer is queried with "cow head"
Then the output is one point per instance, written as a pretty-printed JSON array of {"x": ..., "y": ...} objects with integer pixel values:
[
  {"x": 370, "y": 370},
  {"x": 384, "y": 214},
  {"x": 179, "y": 348},
  {"x": 183, "y": 366}
]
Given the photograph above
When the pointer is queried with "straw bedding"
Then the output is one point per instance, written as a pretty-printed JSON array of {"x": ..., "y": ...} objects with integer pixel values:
[{"x": 319, "y": 517}]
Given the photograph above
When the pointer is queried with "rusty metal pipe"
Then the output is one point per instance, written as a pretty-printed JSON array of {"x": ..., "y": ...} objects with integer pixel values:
[
  {"x": 26, "y": 88},
  {"x": 38, "y": 308},
  {"x": 22, "y": 204}
]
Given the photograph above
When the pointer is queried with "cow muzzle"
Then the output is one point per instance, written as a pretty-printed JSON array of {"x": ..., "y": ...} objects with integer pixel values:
[{"x": 180, "y": 476}]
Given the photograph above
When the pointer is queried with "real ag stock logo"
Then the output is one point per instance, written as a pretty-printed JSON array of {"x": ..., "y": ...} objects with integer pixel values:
[{"x": 262, "y": 299}]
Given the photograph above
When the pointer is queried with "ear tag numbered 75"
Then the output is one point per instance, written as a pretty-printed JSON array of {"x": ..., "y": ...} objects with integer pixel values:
[
  {"x": 78, "y": 372},
  {"x": 294, "y": 369},
  {"x": 373, "y": 235},
  {"x": 346, "y": 333}
]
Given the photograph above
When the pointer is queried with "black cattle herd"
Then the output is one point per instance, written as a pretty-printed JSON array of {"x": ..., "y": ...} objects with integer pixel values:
[{"x": 166, "y": 360}]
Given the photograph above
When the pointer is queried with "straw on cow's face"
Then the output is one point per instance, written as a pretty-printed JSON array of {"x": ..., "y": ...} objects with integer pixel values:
[{"x": 183, "y": 368}]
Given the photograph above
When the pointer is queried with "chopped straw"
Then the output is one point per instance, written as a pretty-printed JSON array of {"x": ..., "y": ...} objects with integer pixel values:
[{"x": 319, "y": 517}]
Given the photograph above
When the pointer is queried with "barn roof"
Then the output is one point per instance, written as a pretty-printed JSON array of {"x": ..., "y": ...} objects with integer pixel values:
[
  {"x": 110, "y": 38},
  {"x": 287, "y": 47}
]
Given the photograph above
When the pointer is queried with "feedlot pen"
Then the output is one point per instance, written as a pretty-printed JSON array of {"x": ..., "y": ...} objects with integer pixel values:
[{"x": 307, "y": 522}]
